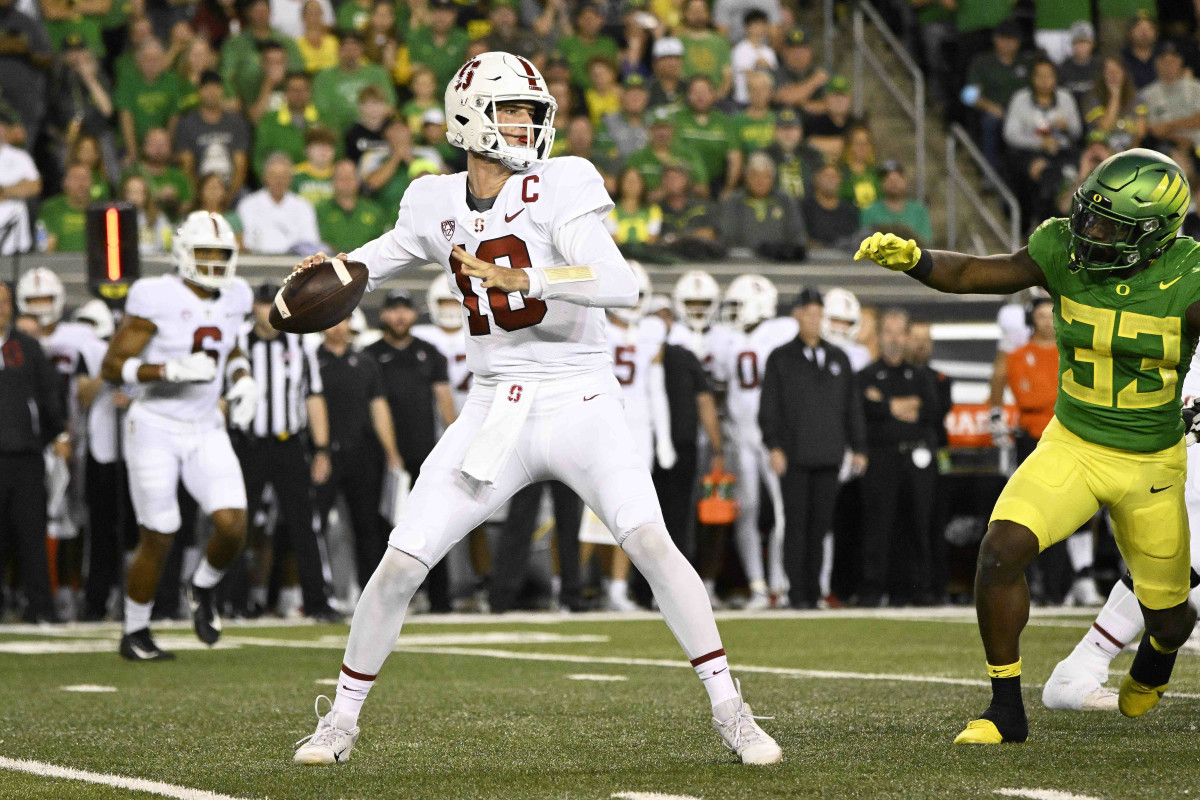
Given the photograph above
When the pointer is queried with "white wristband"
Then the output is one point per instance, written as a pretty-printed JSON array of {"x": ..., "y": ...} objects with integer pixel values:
[
  {"x": 231, "y": 368},
  {"x": 129, "y": 370}
]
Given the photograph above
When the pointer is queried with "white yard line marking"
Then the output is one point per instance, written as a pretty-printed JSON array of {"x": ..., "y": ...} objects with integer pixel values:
[
  {"x": 1044, "y": 794},
  {"x": 584, "y": 676},
  {"x": 45, "y": 770},
  {"x": 87, "y": 688},
  {"x": 326, "y": 681},
  {"x": 652, "y": 796},
  {"x": 490, "y": 637}
]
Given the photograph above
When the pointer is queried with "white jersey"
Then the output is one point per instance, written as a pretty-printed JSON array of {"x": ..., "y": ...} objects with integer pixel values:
[
  {"x": 857, "y": 352},
  {"x": 541, "y": 220},
  {"x": 186, "y": 324},
  {"x": 452, "y": 345},
  {"x": 633, "y": 352},
  {"x": 1191, "y": 382},
  {"x": 67, "y": 347},
  {"x": 740, "y": 361},
  {"x": 701, "y": 343}
]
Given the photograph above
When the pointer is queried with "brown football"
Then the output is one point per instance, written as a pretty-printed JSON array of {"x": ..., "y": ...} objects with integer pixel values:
[{"x": 319, "y": 296}]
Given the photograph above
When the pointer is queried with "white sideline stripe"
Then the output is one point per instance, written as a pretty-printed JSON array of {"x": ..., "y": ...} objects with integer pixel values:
[
  {"x": 490, "y": 637},
  {"x": 652, "y": 796},
  {"x": 583, "y": 676},
  {"x": 45, "y": 770},
  {"x": 88, "y": 688},
  {"x": 326, "y": 682},
  {"x": 1044, "y": 794}
]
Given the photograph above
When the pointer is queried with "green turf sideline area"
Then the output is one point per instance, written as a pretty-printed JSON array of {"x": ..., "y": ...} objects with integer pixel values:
[{"x": 865, "y": 705}]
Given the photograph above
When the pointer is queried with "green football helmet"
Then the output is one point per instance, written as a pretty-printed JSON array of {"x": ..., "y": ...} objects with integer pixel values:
[{"x": 1128, "y": 211}]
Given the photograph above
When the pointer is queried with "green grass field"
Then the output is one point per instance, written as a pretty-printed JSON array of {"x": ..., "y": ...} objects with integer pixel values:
[{"x": 864, "y": 706}]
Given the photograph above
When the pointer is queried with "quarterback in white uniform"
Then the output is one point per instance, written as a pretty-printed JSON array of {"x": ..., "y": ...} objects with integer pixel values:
[
  {"x": 178, "y": 340},
  {"x": 523, "y": 237},
  {"x": 1078, "y": 681},
  {"x": 739, "y": 362}
]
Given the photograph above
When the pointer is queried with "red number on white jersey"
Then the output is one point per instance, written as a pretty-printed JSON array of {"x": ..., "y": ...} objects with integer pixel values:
[
  {"x": 203, "y": 339},
  {"x": 623, "y": 362},
  {"x": 465, "y": 384},
  {"x": 747, "y": 369},
  {"x": 510, "y": 319}
]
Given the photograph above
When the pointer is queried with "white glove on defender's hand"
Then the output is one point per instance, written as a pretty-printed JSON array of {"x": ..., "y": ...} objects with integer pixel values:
[
  {"x": 243, "y": 401},
  {"x": 664, "y": 452},
  {"x": 195, "y": 367}
]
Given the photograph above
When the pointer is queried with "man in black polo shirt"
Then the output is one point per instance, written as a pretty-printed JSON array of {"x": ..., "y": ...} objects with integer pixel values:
[
  {"x": 361, "y": 440},
  {"x": 417, "y": 385}
]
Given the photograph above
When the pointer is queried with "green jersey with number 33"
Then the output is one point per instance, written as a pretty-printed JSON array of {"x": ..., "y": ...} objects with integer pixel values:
[{"x": 1124, "y": 345}]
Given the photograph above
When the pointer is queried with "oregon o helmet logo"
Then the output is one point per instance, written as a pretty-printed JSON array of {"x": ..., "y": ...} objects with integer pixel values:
[{"x": 1097, "y": 198}]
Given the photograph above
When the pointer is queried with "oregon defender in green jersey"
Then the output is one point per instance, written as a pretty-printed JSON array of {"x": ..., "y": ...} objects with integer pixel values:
[{"x": 1126, "y": 297}]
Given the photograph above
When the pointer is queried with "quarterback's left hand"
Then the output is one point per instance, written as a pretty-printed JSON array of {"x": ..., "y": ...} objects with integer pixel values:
[
  {"x": 1191, "y": 422},
  {"x": 493, "y": 275},
  {"x": 243, "y": 401}
]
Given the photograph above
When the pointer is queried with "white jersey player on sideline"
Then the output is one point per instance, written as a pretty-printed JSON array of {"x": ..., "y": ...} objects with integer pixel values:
[
  {"x": 523, "y": 237},
  {"x": 636, "y": 342},
  {"x": 841, "y": 323},
  {"x": 1078, "y": 681},
  {"x": 178, "y": 343},
  {"x": 696, "y": 299},
  {"x": 739, "y": 362},
  {"x": 447, "y": 335}
]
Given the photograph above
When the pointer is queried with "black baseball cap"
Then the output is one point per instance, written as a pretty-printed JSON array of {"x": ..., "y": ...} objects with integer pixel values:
[
  {"x": 266, "y": 293},
  {"x": 787, "y": 118},
  {"x": 210, "y": 76},
  {"x": 398, "y": 297},
  {"x": 808, "y": 296},
  {"x": 1009, "y": 27}
]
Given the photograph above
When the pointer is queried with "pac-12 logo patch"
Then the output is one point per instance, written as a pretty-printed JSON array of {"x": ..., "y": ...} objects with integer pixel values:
[{"x": 448, "y": 229}]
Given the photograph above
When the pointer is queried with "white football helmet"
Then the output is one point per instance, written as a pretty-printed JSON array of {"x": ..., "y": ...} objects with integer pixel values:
[
  {"x": 40, "y": 295},
  {"x": 471, "y": 99},
  {"x": 439, "y": 299},
  {"x": 96, "y": 313},
  {"x": 631, "y": 315},
  {"x": 843, "y": 316},
  {"x": 206, "y": 231},
  {"x": 697, "y": 299},
  {"x": 749, "y": 300}
]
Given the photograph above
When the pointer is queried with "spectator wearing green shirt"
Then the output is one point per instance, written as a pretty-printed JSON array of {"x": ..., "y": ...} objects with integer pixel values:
[
  {"x": 707, "y": 132},
  {"x": 345, "y": 220},
  {"x": 1117, "y": 16},
  {"x": 313, "y": 178},
  {"x": 974, "y": 21},
  {"x": 992, "y": 81},
  {"x": 335, "y": 90},
  {"x": 895, "y": 207},
  {"x": 148, "y": 98},
  {"x": 440, "y": 45},
  {"x": 664, "y": 151},
  {"x": 65, "y": 215},
  {"x": 423, "y": 86},
  {"x": 587, "y": 43},
  {"x": 81, "y": 17},
  {"x": 169, "y": 185},
  {"x": 241, "y": 65},
  {"x": 705, "y": 51},
  {"x": 1052, "y": 26},
  {"x": 283, "y": 131},
  {"x": 386, "y": 174},
  {"x": 755, "y": 127}
]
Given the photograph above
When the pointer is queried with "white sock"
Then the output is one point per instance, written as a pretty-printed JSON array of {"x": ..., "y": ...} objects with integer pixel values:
[
  {"x": 1118, "y": 623},
  {"x": 137, "y": 615},
  {"x": 710, "y": 586},
  {"x": 683, "y": 603},
  {"x": 618, "y": 589},
  {"x": 758, "y": 587},
  {"x": 351, "y": 694},
  {"x": 713, "y": 670},
  {"x": 206, "y": 575}
]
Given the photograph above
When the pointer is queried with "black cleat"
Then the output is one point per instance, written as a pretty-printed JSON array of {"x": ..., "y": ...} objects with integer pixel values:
[
  {"x": 140, "y": 646},
  {"x": 205, "y": 618}
]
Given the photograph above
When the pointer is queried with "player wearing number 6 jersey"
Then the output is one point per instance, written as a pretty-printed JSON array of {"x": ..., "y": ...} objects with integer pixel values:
[
  {"x": 178, "y": 340},
  {"x": 522, "y": 238},
  {"x": 1126, "y": 323}
]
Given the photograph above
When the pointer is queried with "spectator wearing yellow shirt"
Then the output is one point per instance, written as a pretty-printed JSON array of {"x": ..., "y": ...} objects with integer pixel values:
[
  {"x": 318, "y": 46},
  {"x": 424, "y": 89},
  {"x": 860, "y": 176},
  {"x": 635, "y": 223},
  {"x": 604, "y": 95}
]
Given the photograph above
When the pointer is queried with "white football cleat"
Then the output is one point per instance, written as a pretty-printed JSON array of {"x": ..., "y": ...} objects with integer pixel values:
[
  {"x": 329, "y": 744},
  {"x": 741, "y": 734},
  {"x": 1073, "y": 687},
  {"x": 1083, "y": 592},
  {"x": 759, "y": 601}
]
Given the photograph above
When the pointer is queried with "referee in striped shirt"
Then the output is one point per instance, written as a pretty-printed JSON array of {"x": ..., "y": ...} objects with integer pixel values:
[{"x": 287, "y": 444}]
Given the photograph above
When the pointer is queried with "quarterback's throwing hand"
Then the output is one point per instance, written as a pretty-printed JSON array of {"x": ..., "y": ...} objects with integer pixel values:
[
  {"x": 493, "y": 275},
  {"x": 890, "y": 251}
]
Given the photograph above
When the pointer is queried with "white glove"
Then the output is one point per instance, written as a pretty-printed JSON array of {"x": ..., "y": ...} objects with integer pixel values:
[
  {"x": 243, "y": 401},
  {"x": 195, "y": 367},
  {"x": 664, "y": 452}
]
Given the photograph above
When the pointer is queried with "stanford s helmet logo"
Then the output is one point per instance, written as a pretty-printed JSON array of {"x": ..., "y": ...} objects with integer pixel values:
[{"x": 448, "y": 229}]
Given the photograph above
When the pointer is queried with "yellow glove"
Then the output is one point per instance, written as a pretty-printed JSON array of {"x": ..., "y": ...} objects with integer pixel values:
[{"x": 890, "y": 251}]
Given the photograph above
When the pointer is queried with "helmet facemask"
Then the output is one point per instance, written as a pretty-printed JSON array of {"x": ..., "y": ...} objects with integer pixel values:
[
  {"x": 1104, "y": 240},
  {"x": 211, "y": 267},
  {"x": 538, "y": 133},
  {"x": 205, "y": 251}
]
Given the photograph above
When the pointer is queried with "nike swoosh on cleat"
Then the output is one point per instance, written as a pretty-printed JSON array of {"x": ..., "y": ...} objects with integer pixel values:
[
  {"x": 145, "y": 655},
  {"x": 1156, "y": 490},
  {"x": 1166, "y": 285},
  {"x": 508, "y": 218}
]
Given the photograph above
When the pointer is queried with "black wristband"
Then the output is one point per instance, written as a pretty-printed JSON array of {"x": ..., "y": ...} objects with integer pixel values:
[{"x": 924, "y": 266}]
